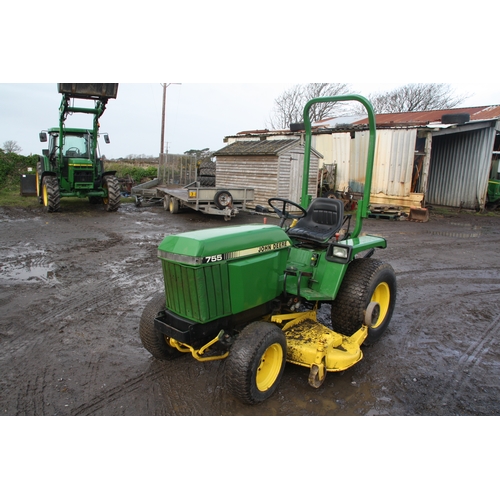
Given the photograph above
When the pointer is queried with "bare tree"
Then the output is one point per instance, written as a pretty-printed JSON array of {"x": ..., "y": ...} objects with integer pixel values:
[
  {"x": 11, "y": 147},
  {"x": 416, "y": 97},
  {"x": 289, "y": 106}
]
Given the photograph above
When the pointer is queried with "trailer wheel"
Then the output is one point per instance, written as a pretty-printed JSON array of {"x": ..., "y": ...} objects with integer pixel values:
[
  {"x": 365, "y": 281},
  {"x": 256, "y": 362},
  {"x": 166, "y": 202},
  {"x": 152, "y": 340},
  {"x": 112, "y": 201},
  {"x": 51, "y": 195},
  {"x": 223, "y": 199},
  {"x": 174, "y": 205}
]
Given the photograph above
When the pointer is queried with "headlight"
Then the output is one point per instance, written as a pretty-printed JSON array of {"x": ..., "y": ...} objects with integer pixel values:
[{"x": 339, "y": 253}]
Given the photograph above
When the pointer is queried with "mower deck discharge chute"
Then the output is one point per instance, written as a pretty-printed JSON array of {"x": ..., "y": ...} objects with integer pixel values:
[{"x": 249, "y": 294}]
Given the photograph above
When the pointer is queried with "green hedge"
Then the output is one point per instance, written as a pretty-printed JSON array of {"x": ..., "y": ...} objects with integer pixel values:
[
  {"x": 12, "y": 166},
  {"x": 136, "y": 173}
]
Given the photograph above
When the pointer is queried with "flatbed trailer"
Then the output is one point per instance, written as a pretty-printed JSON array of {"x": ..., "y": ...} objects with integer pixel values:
[{"x": 227, "y": 202}]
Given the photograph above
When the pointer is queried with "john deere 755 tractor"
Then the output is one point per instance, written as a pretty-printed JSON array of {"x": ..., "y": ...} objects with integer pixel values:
[
  {"x": 72, "y": 166},
  {"x": 250, "y": 293}
]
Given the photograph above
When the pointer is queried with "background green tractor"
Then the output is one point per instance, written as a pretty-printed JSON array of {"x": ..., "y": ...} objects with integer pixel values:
[
  {"x": 72, "y": 165},
  {"x": 249, "y": 294}
]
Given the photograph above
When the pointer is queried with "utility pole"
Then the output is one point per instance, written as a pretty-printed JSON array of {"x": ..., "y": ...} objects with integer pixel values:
[{"x": 162, "y": 143}]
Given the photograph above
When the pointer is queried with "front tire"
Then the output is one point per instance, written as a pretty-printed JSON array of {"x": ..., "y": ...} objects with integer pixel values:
[
  {"x": 256, "y": 362},
  {"x": 151, "y": 339},
  {"x": 51, "y": 195},
  {"x": 39, "y": 187},
  {"x": 366, "y": 281},
  {"x": 112, "y": 201}
]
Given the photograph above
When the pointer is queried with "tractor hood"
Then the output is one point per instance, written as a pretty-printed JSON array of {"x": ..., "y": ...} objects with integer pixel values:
[{"x": 218, "y": 244}]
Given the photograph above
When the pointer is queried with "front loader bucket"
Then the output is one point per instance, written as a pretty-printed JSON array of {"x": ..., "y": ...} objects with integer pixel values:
[
  {"x": 418, "y": 214},
  {"x": 88, "y": 90}
]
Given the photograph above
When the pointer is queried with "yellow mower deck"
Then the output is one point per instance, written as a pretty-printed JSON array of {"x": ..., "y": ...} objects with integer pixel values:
[{"x": 315, "y": 346}]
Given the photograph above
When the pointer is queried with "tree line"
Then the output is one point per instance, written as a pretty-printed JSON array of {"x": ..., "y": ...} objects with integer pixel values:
[{"x": 289, "y": 106}]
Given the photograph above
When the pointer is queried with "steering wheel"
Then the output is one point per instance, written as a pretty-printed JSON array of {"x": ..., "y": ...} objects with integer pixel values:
[
  {"x": 74, "y": 151},
  {"x": 283, "y": 213}
]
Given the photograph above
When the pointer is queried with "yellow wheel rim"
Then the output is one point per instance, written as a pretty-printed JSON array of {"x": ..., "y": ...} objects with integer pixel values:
[
  {"x": 105, "y": 200},
  {"x": 45, "y": 196},
  {"x": 269, "y": 367},
  {"x": 382, "y": 295}
]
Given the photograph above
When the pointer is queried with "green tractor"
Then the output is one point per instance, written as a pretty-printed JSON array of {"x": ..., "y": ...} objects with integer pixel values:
[
  {"x": 72, "y": 166},
  {"x": 251, "y": 293}
]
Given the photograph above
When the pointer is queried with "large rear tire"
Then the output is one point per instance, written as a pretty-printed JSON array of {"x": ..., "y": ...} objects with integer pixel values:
[
  {"x": 152, "y": 340},
  {"x": 366, "y": 281},
  {"x": 256, "y": 362},
  {"x": 112, "y": 201},
  {"x": 51, "y": 195}
]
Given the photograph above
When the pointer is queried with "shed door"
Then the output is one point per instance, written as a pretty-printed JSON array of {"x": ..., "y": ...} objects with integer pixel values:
[{"x": 296, "y": 172}]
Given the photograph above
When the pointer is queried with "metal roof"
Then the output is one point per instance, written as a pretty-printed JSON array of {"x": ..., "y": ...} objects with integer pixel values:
[
  {"x": 256, "y": 148},
  {"x": 423, "y": 118}
]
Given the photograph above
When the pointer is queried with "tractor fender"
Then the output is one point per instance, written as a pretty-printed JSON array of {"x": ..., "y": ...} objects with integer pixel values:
[
  {"x": 109, "y": 172},
  {"x": 46, "y": 173}
]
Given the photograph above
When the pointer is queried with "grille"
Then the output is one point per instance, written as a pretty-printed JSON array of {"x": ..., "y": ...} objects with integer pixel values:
[
  {"x": 83, "y": 176},
  {"x": 197, "y": 293}
]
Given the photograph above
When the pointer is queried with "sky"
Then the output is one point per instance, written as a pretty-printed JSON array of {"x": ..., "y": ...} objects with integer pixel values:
[{"x": 198, "y": 115}]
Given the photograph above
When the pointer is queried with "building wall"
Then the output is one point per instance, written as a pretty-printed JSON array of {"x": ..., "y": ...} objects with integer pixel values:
[
  {"x": 393, "y": 165},
  {"x": 459, "y": 168},
  {"x": 269, "y": 176},
  {"x": 257, "y": 172}
]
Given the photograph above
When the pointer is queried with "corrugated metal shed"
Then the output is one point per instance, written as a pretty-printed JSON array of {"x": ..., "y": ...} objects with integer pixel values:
[
  {"x": 393, "y": 166},
  {"x": 272, "y": 168},
  {"x": 460, "y": 167},
  {"x": 418, "y": 158}
]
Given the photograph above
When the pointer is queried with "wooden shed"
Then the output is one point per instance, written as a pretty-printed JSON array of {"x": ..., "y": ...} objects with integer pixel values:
[{"x": 273, "y": 168}]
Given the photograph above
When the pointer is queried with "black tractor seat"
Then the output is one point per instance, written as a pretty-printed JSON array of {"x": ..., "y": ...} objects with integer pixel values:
[{"x": 324, "y": 218}]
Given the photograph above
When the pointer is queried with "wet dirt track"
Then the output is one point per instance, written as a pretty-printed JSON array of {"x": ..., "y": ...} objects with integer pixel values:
[{"x": 73, "y": 286}]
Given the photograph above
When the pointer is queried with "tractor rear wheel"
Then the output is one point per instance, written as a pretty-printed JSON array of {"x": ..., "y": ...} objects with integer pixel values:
[
  {"x": 366, "y": 281},
  {"x": 112, "y": 201},
  {"x": 152, "y": 340},
  {"x": 256, "y": 362},
  {"x": 51, "y": 195}
]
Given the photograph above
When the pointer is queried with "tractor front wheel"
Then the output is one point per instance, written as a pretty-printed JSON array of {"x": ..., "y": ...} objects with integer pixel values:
[
  {"x": 366, "y": 281},
  {"x": 112, "y": 201},
  {"x": 38, "y": 178},
  {"x": 152, "y": 340},
  {"x": 51, "y": 195},
  {"x": 256, "y": 362}
]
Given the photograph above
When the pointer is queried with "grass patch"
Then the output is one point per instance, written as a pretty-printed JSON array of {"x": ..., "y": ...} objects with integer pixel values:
[{"x": 12, "y": 198}]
